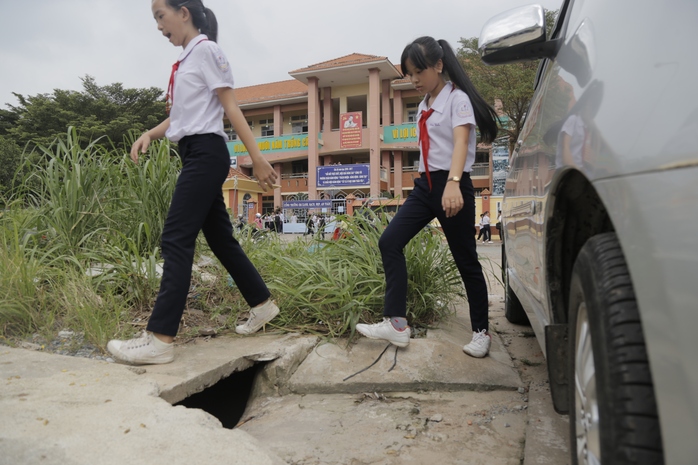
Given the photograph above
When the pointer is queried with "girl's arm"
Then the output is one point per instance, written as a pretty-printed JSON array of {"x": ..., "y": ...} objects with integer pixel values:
[
  {"x": 142, "y": 143},
  {"x": 452, "y": 199},
  {"x": 266, "y": 176}
]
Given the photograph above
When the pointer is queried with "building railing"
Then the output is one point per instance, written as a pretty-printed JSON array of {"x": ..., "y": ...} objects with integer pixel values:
[
  {"x": 294, "y": 175},
  {"x": 480, "y": 169}
]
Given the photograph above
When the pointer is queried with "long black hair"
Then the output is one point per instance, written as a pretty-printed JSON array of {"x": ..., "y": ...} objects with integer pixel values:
[
  {"x": 425, "y": 52},
  {"x": 203, "y": 18}
]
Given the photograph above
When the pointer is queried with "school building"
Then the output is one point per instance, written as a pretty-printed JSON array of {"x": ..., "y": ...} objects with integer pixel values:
[{"x": 342, "y": 129}]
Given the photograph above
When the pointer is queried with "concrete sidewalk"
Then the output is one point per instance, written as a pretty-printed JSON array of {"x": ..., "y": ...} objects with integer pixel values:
[{"x": 436, "y": 405}]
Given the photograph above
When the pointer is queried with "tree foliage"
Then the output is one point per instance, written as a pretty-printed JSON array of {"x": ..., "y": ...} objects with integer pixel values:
[
  {"x": 10, "y": 157},
  {"x": 511, "y": 84},
  {"x": 96, "y": 111}
]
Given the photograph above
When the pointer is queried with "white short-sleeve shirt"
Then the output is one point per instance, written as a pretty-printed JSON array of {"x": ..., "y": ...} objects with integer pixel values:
[
  {"x": 452, "y": 108},
  {"x": 196, "y": 109},
  {"x": 573, "y": 127}
]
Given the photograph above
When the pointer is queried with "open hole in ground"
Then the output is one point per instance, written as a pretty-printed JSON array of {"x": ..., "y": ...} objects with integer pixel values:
[{"x": 227, "y": 399}]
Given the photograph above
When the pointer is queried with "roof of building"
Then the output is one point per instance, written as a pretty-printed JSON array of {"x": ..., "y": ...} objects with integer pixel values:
[
  {"x": 353, "y": 59},
  {"x": 271, "y": 91},
  {"x": 236, "y": 172},
  {"x": 294, "y": 88}
]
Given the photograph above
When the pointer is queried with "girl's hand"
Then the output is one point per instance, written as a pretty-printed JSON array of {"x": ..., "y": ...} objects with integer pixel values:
[
  {"x": 140, "y": 146},
  {"x": 452, "y": 200},
  {"x": 264, "y": 172}
]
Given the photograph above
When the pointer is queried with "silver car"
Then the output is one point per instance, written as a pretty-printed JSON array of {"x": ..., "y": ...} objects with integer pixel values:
[{"x": 600, "y": 219}]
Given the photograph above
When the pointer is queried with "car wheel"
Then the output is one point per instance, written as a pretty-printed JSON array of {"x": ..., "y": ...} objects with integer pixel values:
[
  {"x": 613, "y": 413},
  {"x": 513, "y": 310}
]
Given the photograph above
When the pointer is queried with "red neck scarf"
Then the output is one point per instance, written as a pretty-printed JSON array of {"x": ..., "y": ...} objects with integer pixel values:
[{"x": 424, "y": 141}]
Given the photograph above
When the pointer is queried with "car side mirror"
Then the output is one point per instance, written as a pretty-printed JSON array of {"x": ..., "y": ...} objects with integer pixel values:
[{"x": 516, "y": 35}]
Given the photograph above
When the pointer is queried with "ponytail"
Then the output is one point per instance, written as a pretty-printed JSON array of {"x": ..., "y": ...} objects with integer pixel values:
[
  {"x": 203, "y": 18},
  {"x": 425, "y": 52},
  {"x": 210, "y": 25}
]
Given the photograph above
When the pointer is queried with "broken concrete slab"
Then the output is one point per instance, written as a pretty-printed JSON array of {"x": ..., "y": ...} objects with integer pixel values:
[
  {"x": 203, "y": 362},
  {"x": 68, "y": 410},
  {"x": 426, "y": 364}
]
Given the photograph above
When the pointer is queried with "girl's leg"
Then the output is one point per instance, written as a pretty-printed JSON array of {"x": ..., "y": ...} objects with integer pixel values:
[
  {"x": 411, "y": 217},
  {"x": 460, "y": 234},
  {"x": 219, "y": 234},
  {"x": 198, "y": 185}
]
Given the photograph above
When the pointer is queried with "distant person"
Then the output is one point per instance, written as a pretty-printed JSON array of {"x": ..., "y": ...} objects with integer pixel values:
[
  {"x": 481, "y": 228},
  {"x": 499, "y": 225},
  {"x": 309, "y": 226},
  {"x": 278, "y": 223},
  {"x": 200, "y": 91},
  {"x": 447, "y": 120},
  {"x": 321, "y": 226},
  {"x": 486, "y": 226}
]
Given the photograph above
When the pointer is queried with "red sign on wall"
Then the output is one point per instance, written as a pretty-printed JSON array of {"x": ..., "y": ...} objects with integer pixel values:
[{"x": 350, "y": 125}]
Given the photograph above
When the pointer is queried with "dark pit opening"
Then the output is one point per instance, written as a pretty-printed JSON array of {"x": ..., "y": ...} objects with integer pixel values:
[{"x": 227, "y": 399}]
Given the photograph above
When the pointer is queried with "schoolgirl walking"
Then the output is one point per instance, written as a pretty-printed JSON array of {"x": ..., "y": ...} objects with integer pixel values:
[
  {"x": 200, "y": 90},
  {"x": 447, "y": 118}
]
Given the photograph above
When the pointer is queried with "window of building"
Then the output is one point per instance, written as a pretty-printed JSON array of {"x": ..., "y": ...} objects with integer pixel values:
[
  {"x": 299, "y": 124},
  {"x": 267, "y": 204},
  {"x": 482, "y": 157},
  {"x": 232, "y": 135},
  {"x": 358, "y": 103},
  {"x": 299, "y": 166},
  {"x": 413, "y": 160},
  {"x": 267, "y": 127},
  {"x": 412, "y": 112}
]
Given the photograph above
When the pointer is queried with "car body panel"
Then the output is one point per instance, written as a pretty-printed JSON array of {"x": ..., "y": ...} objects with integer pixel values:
[{"x": 618, "y": 107}]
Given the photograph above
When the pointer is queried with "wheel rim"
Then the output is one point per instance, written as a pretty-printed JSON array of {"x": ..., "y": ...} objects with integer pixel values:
[{"x": 585, "y": 398}]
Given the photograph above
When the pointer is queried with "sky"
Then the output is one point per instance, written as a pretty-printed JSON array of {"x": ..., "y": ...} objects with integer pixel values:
[{"x": 51, "y": 44}]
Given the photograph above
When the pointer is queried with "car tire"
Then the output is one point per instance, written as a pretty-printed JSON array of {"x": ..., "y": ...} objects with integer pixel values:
[
  {"x": 613, "y": 413},
  {"x": 513, "y": 310}
]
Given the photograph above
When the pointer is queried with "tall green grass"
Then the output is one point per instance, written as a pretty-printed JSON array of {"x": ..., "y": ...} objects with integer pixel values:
[{"x": 80, "y": 250}]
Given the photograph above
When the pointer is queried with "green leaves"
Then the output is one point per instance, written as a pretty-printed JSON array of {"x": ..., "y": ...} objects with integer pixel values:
[
  {"x": 90, "y": 208},
  {"x": 329, "y": 286},
  {"x": 79, "y": 249},
  {"x": 109, "y": 110}
]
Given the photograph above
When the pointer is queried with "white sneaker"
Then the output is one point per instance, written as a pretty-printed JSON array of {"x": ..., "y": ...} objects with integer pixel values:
[
  {"x": 386, "y": 331},
  {"x": 490, "y": 242},
  {"x": 259, "y": 316},
  {"x": 145, "y": 349},
  {"x": 479, "y": 346}
]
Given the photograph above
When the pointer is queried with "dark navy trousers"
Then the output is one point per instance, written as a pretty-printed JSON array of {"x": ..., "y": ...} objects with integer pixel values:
[
  {"x": 419, "y": 209},
  {"x": 197, "y": 205}
]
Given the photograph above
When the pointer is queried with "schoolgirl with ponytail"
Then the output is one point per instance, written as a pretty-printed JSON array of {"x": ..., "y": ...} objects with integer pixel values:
[
  {"x": 200, "y": 90},
  {"x": 447, "y": 117}
]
